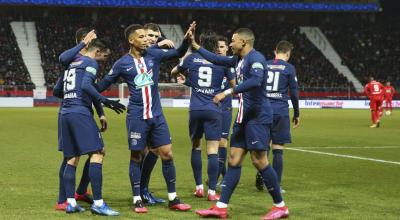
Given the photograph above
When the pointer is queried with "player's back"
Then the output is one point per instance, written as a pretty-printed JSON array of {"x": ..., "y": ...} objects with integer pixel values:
[
  {"x": 206, "y": 80},
  {"x": 75, "y": 100},
  {"x": 281, "y": 77},
  {"x": 375, "y": 89}
]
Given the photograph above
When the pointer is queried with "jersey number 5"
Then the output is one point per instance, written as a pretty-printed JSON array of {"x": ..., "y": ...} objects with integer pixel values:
[
  {"x": 69, "y": 80},
  {"x": 205, "y": 76},
  {"x": 272, "y": 81}
]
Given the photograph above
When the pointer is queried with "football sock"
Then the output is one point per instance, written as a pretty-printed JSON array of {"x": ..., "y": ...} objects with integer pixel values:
[
  {"x": 229, "y": 183},
  {"x": 211, "y": 192},
  {"x": 69, "y": 180},
  {"x": 84, "y": 183},
  {"x": 280, "y": 205},
  {"x": 168, "y": 170},
  {"x": 271, "y": 183},
  {"x": 149, "y": 162},
  {"x": 199, "y": 187},
  {"x": 96, "y": 177},
  {"x": 222, "y": 161},
  {"x": 196, "y": 166},
  {"x": 134, "y": 176},
  {"x": 61, "y": 188},
  {"x": 277, "y": 163},
  {"x": 212, "y": 171}
]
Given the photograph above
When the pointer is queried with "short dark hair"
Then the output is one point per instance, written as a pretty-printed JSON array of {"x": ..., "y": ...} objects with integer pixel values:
[
  {"x": 208, "y": 40},
  {"x": 130, "y": 29},
  {"x": 223, "y": 38},
  {"x": 97, "y": 44},
  {"x": 283, "y": 46},
  {"x": 152, "y": 26},
  {"x": 81, "y": 33},
  {"x": 247, "y": 34}
]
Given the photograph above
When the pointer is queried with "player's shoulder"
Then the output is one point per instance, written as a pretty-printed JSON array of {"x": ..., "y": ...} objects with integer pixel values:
[{"x": 257, "y": 55}]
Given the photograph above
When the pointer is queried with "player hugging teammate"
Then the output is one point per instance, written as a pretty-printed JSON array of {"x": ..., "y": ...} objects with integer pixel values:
[{"x": 262, "y": 117}]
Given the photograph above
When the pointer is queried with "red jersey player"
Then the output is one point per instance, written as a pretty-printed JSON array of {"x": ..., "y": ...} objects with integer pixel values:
[
  {"x": 374, "y": 90},
  {"x": 389, "y": 92}
]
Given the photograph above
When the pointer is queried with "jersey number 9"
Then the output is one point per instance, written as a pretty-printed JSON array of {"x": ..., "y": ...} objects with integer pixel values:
[{"x": 205, "y": 76}]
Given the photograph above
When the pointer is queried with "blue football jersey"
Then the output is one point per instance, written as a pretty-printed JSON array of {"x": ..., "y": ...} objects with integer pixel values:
[
  {"x": 141, "y": 75},
  {"x": 252, "y": 79},
  {"x": 74, "y": 98},
  {"x": 205, "y": 80},
  {"x": 281, "y": 79}
]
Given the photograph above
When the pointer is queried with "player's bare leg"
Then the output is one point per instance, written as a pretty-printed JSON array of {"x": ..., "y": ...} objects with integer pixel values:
[
  {"x": 99, "y": 207},
  {"x": 69, "y": 182},
  {"x": 134, "y": 176},
  {"x": 260, "y": 161},
  {"x": 168, "y": 169},
  {"x": 197, "y": 167}
]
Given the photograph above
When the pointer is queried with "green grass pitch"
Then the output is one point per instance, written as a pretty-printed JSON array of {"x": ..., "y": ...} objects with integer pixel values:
[{"x": 318, "y": 186}]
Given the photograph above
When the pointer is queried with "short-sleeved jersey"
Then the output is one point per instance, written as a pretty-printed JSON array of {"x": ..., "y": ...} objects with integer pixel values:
[
  {"x": 142, "y": 76},
  {"x": 75, "y": 99},
  {"x": 205, "y": 80},
  {"x": 226, "y": 104},
  {"x": 374, "y": 90},
  {"x": 389, "y": 92},
  {"x": 253, "y": 104},
  {"x": 281, "y": 78}
]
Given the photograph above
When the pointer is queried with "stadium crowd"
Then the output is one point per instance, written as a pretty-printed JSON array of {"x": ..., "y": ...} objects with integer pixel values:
[
  {"x": 12, "y": 68},
  {"x": 55, "y": 33}
]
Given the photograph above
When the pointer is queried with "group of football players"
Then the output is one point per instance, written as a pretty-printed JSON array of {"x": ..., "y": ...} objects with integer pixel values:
[
  {"x": 378, "y": 95},
  {"x": 262, "y": 120}
]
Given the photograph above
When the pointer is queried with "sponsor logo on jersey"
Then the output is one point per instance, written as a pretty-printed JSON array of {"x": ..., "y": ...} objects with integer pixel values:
[{"x": 129, "y": 69}]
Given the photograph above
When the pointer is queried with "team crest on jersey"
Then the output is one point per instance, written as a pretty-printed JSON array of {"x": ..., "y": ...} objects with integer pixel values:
[{"x": 144, "y": 79}]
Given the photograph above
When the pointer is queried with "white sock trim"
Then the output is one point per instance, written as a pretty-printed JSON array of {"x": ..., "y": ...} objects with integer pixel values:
[
  {"x": 280, "y": 205},
  {"x": 136, "y": 198},
  {"x": 211, "y": 192},
  {"x": 222, "y": 205},
  {"x": 171, "y": 196},
  {"x": 98, "y": 203},
  {"x": 199, "y": 187},
  {"x": 71, "y": 201}
]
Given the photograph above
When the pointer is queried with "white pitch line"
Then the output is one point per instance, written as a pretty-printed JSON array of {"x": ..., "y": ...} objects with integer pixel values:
[
  {"x": 344, "y": 156},
  {"x": 350, "y": 147}
]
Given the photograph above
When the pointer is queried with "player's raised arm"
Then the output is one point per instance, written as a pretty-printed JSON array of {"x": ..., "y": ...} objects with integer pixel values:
[
  {"x": 67, "y": 56},
  {"x": 84, "y": 38}
]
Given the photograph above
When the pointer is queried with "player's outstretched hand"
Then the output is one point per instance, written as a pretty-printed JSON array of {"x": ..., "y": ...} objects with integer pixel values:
[
  {"x": 296, "y": 122},
  {"x": 190, "y": 30},
  {"x": 181, "y": 79},
  {"x": 89, "y": 37},
  {"x": 166, "y": 44},
  {"x": 219, "y": 97},
  {"x": 103, "y": 122},
  {"x": 114, "y": 105}
]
